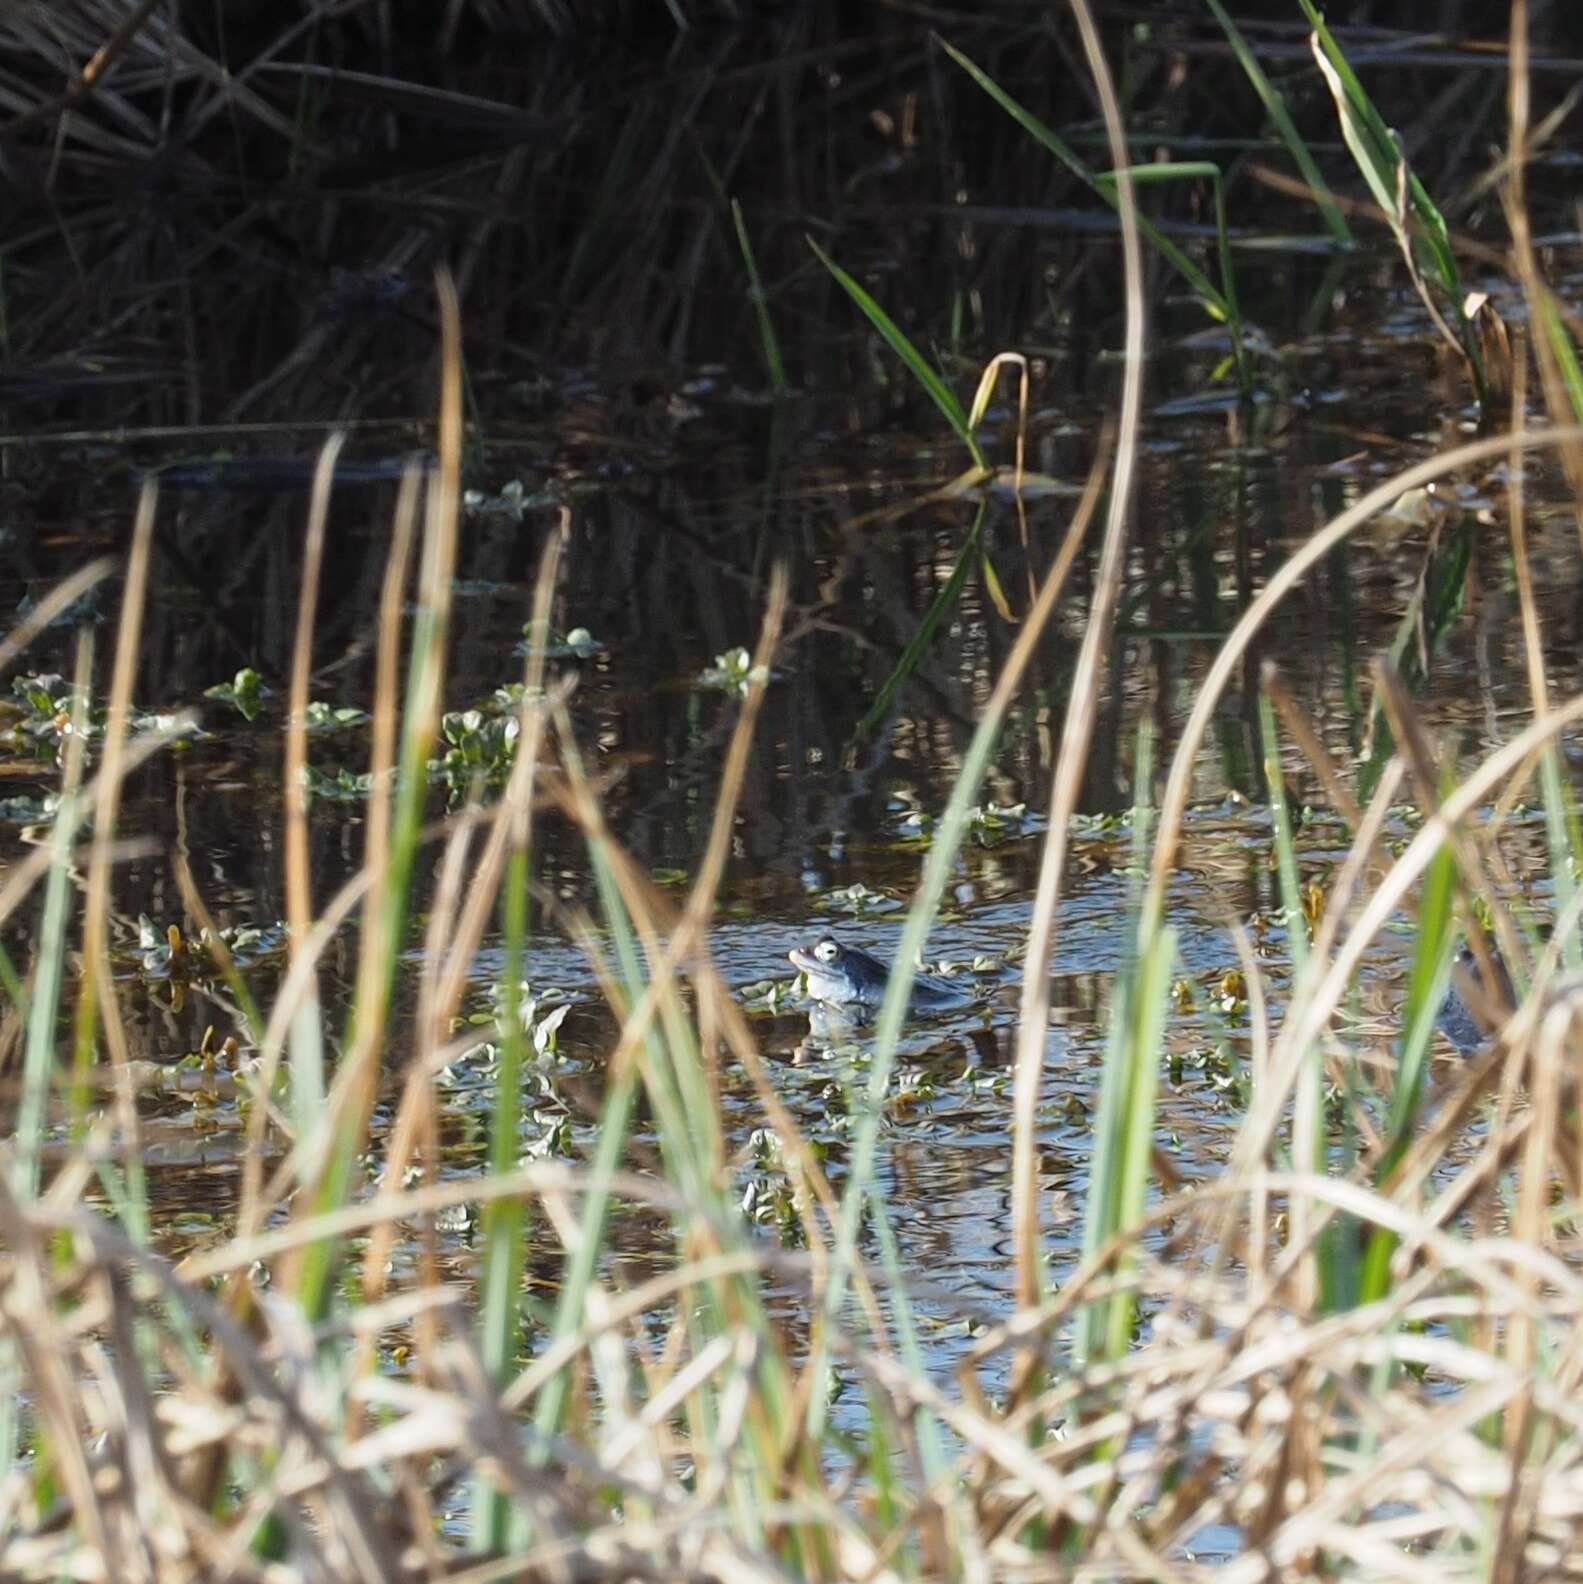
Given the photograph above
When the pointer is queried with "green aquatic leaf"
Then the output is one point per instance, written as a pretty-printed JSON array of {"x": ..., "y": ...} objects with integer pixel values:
[
  {"x": 245, "y": 690},
  {"x": 924, "y": 371}
]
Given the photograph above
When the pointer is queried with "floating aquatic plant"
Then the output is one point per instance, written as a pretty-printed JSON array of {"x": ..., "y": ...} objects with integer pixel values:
[
  {"x": 733, "y": 672},
  {"x": 245, "y": 690}
]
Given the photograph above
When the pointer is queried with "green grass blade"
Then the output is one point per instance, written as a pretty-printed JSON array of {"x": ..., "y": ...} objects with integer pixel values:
[
  {"x": 43, "y": 1005},
  {"x": 1430, "y": 615},
  {"x": 1308, "y": 1117},
  {"x": 615, "y": 1120},
  {"x": 920, "y": 640},
  {"x": 425, "y": 677},
  {"x": 11, "y": 983},
  {"x": 1124, "y": 1137},
  {"x": 767, "y": 337},
  {"x": 931, "y": 1450},
  {"x": 1124, "y": 1117},
  {"x": 1275, "y": 108},
  {"x": 924, "y": 371},
  {"x": 687, "y": 1121},
  {"x": 1025, "y": 118},
  {"x": 1202, "y": 170},
  {"x": 1415, "y": 220},
  {"x": 1565, "y": 843},
  {"x": 504, "y": 1220},
  {"x": 1426, "y": 989},
  {"x": 1378, "y": 157},
  {"x": 1149, "y": 1005},
  {"x": 1285, "y": 848},
  {"x": 1213, "y": 298},
  {"x": 38, "y": 1057},
  {"x": 938, "y": 868},
  {"x": 1102, "y": 1213},
  {"x": 1562, "y": 348}
]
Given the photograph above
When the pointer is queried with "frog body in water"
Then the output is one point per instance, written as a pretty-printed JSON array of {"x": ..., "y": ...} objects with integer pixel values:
[
  {"x": 1456, "y": 1018},
  {"x": 852, "y": 981}
]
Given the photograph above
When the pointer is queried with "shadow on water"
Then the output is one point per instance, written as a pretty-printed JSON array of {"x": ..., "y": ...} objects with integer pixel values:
[{"x": 213, "y": 298}]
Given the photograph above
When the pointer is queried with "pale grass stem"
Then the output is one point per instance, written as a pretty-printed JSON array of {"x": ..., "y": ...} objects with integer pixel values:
[{"x": 1033, "y": 1015}]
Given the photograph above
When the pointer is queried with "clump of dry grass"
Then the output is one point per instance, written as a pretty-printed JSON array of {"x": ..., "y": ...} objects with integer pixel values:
[{"x": 1410, "y": 1437}]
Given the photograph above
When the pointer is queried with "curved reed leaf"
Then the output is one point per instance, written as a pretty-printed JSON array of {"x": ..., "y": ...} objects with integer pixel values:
[
  {"x": 925, "y": 372},
  {"x": 942, "y": 602},
  {"x": 1215, "y": 300},
  {"x": 1275, "y": 108}
]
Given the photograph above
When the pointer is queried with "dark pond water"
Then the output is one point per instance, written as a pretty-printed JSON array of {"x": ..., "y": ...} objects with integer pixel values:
[{"x": 615, "y": 370}]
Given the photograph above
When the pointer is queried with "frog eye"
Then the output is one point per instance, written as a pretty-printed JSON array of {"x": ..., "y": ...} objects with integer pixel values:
[{"x": 827, "y": 950}]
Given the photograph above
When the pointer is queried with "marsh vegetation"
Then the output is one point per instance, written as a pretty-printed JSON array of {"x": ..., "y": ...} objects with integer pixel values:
[{"x": 507, "y": 536}]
